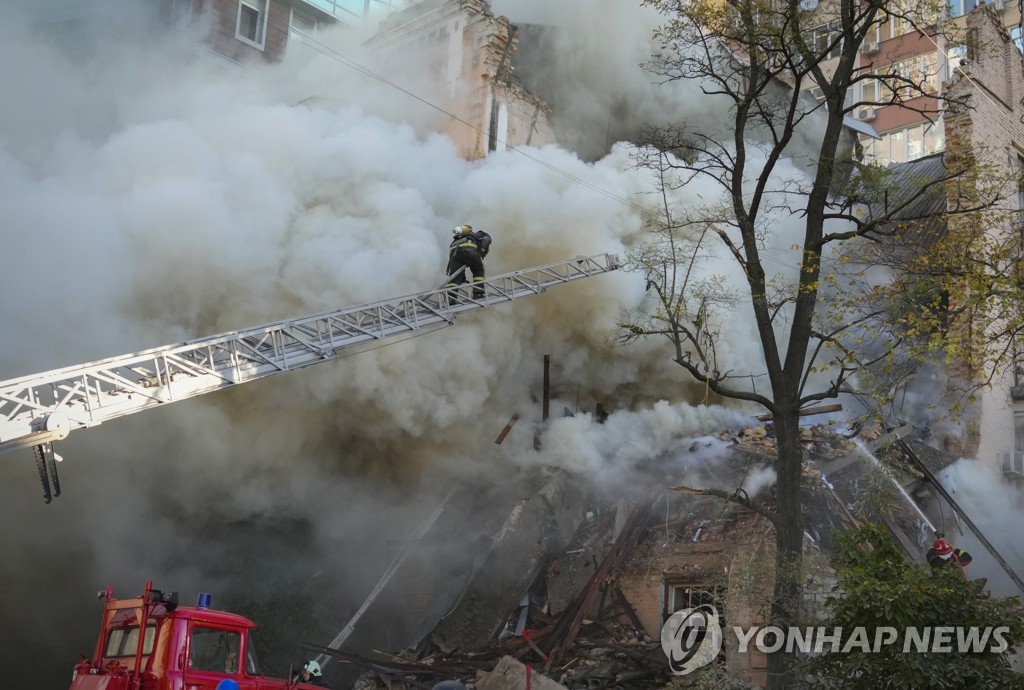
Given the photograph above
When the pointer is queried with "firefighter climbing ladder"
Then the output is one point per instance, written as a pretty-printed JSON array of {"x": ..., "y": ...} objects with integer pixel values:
[{"x": 39, "y": 409}]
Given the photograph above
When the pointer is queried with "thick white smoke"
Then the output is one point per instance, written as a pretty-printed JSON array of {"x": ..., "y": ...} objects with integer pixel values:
[
  {"x": 628, "y": 439},
  {"x": 586, "y": 59},
  {"x": 996, "y": 508},
  {"x": 151, "y": 195}
]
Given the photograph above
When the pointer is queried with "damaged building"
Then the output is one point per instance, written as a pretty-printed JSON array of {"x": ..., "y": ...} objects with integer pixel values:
[
  {"x": 468, "y": 51},
  {"x": 986, "y": 127},
  {"x": 554, "y": 576},
  {"x": 577, "y": 584}
]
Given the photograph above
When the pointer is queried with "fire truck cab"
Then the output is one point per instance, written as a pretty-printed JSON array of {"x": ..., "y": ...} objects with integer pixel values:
[{"x": 151, "y": 643}]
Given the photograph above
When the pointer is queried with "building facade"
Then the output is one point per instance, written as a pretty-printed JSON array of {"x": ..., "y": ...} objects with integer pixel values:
[
  {"x": 983, "y": 121},
  {"x": 990, "y": 78},
  {"x": 235, "y": 31},
  {"x": 245, "y": 30},
  {"x": 924, "y": 48},
  {"x": 468, "y": 51}
]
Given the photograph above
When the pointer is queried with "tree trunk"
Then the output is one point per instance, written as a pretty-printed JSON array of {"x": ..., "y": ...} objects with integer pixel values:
[{"x": 788, "y": 538}]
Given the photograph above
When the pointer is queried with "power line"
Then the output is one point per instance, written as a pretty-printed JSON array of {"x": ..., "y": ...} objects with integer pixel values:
[{"x": 329, "y": 52}]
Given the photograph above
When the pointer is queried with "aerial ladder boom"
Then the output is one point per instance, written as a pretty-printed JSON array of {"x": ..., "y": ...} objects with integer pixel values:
[{"x": 39, "y": 409}]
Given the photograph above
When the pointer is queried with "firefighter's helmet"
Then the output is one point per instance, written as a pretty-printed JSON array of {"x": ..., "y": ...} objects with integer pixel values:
[
  {"x": 942, "y": 548},
  {"x": 314, "y": 668},
  {"x": 462, "y": 230}
]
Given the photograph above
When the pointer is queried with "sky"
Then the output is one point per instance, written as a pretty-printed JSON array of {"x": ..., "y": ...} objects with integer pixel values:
[{"x": 151, "y": 195}]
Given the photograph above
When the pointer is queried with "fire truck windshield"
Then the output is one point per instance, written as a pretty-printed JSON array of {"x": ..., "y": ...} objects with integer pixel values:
[{"x": 124, "y": 641}]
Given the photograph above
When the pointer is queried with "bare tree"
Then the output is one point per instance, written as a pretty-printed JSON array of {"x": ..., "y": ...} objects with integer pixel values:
[{"x": 759, "y": 57}]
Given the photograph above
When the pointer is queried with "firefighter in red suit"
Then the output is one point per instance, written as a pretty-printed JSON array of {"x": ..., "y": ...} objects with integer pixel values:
[{"x": 943, "y": 553}]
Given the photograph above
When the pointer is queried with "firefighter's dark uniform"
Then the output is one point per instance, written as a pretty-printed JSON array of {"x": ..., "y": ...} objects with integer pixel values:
[{"x": 468, "y": 250}]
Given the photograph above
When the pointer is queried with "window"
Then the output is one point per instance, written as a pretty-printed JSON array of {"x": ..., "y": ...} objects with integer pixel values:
[
  {"x": 898, "y": 146},
  {"x": 125, "y": 641},
  {"x": 870, "y": 91},
  {"x": 922, "y": 71},
  {"x": 934, "y": 138},
  {"x": 1018, "y": 440},
  {"x": 883, "y": 29},
  {"x": 821, "y": 37},
  {"x": 251, "y": 26},
  {"x": 302, "y": 22},
  {"x": 928, "y": 14},
  {"x": 905, "y": 144},
  {"x": 1015, "y": 36},
  {"x": 955, "y": 57},
  {"x": 177, "y": 13},
  {"x": 1020, "y": 183},
  {"x": 900, "y": 25},
  {"x": 961, "y": 7},
  {"x": 915, "y": 143},
  {"x": 875, "y": 150},
  {"x": 214, "y": 650},
  {"x": 300, "y": 28},
  {"x": 679, "y": 597}
]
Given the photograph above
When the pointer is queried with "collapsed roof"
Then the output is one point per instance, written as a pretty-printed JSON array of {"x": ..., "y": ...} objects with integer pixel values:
[{"x": 578, "y": 584}]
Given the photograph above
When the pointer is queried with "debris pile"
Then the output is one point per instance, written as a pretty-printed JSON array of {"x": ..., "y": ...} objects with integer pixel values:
[
  {"x": 573, "y": 626},
  {"x": 572, "y": 592}
]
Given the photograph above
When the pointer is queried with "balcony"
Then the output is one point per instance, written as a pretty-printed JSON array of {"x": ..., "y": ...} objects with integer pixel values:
[
  {"x": 349, "y": 10},
  {"x": 1017, "y": 393}
]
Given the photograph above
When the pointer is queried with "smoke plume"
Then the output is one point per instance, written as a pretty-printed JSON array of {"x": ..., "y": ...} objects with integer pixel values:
[{"x": 151, "y": 194}]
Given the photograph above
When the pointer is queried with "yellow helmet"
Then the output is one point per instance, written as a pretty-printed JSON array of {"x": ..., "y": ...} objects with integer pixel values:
[{"x": 466, "y": 229}]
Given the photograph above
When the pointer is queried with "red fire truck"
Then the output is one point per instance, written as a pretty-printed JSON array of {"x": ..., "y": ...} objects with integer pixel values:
[{"x": 151, "y": 643}]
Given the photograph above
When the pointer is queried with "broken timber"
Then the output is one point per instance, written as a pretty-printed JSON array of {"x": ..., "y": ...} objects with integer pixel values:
[
  {"x": 806, "y": 412},
  {"x": 568, "y": 625}
]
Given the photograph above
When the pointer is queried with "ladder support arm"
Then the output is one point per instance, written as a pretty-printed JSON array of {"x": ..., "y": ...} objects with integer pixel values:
[{"x": 47, "y": 407}]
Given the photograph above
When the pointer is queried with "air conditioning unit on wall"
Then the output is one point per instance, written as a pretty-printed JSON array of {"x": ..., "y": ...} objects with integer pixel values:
[
  {"x": 866, "y": 113},
  {"x": 869, "y": 48}
]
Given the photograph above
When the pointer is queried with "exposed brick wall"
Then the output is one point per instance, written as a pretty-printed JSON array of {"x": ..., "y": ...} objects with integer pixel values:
[
  {"x": 469, "y": 45},
  {"x": 990, "y": 129},
  {"x": 732, "y": 554}
]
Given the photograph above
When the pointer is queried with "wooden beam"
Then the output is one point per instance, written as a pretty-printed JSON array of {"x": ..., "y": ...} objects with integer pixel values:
[
  {"x": 547, "y": 385},
  {"x": 806, "y": 412},
  {"x": 508, "y": 428}
]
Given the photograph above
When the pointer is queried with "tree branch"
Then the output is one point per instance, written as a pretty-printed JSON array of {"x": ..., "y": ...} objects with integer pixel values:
[{"x": 739, "y": 497}]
